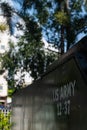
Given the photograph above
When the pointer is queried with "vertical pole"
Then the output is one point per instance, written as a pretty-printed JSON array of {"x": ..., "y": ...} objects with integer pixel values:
[{"x": 62, "y": 40}]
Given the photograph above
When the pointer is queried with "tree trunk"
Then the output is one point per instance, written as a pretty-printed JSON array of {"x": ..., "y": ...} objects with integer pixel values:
[{"x": 62, "y": 40}]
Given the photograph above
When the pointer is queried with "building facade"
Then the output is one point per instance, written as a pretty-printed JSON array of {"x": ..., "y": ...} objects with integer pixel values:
[{"x": 4, "y": 38}]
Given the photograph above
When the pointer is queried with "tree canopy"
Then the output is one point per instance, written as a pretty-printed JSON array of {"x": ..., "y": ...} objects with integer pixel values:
[{"x": 59, "y": 21}]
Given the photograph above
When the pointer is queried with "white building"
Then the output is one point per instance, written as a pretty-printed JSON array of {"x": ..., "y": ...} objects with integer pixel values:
[
  {"x": 3, "y": 90},
  {"x": 4, "y": 38}
]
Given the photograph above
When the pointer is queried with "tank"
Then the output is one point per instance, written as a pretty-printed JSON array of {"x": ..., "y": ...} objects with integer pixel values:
[{"x": 58, "y": 100}]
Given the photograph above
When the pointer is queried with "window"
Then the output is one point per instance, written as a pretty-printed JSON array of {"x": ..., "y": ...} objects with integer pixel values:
[
  {"x": 3, "y": 47},
  {"x": 1, "y": 87}
]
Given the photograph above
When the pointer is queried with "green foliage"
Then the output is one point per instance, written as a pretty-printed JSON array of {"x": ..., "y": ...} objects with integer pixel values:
[
  {"x": 29, "y": 55},
  {"x": 50, "y": 15},
  {"x": 7, "y": 13},
  {"x": 11, "y": 91},
  {"x": 3, "y": 27},
  {"x": 77, "y": 5},
  {"x": 59, "y": 21},
  {"x": 70, "y": 19},
  {"x": 6, "y": 8},
  {"x": 5, "y": 123},
  {"x": 62, "y": 18},
  {"x": 9, "y": 63}
]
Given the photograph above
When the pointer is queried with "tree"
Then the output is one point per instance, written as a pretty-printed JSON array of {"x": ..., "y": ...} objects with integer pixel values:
[
  {"x": 67, "y": 21},
  {"x": 57, "y": 18},
  {"x": 30, "y": 58},
  {"x": 59, "y": 21}
]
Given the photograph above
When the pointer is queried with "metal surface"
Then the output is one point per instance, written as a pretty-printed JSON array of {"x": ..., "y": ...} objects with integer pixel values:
[{"x": 57, "y": 101}]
